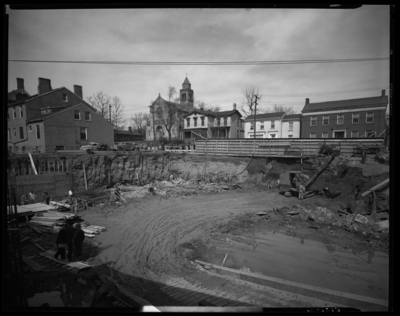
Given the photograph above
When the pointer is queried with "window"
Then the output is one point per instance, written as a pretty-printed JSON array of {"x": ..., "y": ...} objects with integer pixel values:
[
  {"x": 15, "y": 132},
  {"x": 251, "y": 125},
  {"x": 21, "y": 113},
  {"x": 272, "y": 124},
  {"x": 14, "y": 113},
  {"x": 188, "y": 122},
  {"x": 313, "y": 135},
  {"x": 30, "y": 128},
  {"x": 273, "y": 135},
  {"x": 340, "y": 119},
  {"x": 37, "y": 132},
  {"x": 23, "y": 149},
  {"x": 65, "y": 97},
  {"x": 202, "y": 121},
  {"x": 77, "y": 115},
  {"x": 324, "y": 135},
  {"x": 262, "y": 125},
  {"x": 219, "y": 121},
  {"x": 370, "y": 117},
  {"x": 290, "y": 126},
  {"x": 354, "y": 134},
  {"x": 195, "y": 121},
  {"x": 21, "y": 132},
  {"x": 290, "y": 136},
  {"x": 225, "y": 121},
  {"x": 83, "y": 133},
  {"x": 371, "y": 134},
  {"x": 313, "y": 121},
  {"x": 257, "y": 136},
  {"x": 88, "y": 116},
  {"x": 355, "y": 118},
  {"x": 325, "y": 120}
]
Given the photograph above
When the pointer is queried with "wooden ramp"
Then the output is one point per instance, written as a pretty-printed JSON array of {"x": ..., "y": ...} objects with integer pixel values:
[
  {"x": 68, "y": 265},
  {"x": 36, "y": 207}
]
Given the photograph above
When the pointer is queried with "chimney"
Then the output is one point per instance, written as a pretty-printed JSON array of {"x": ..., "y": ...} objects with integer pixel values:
[
  {"x": 20, "y": 83},
  {"x": 44, "y": 86},
  {"x": 234, "y": 106},
  {"x": 383, "y": 92},
  {"x": 307, "y": 100},
  {"x": 130, "y": 129},
  {"x": 78, "y": 91}
]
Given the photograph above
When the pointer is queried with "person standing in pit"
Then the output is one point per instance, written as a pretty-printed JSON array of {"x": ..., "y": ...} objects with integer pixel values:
[
  {"x": 32, "y": 197},
  {"x": 278, "y": 184},
  {"x": 62, "y": 242},
  {"x": 46, "y": 198},
  {"x": 73, "y": 202},
  {"x": 301, "y": 191},
  {"x": 24, "y": 199},
  {"x": 79, "y": 237}
]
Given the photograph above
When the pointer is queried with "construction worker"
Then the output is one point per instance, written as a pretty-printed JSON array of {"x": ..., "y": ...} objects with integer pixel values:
[
  {"x": 65, "y": 240},
  {"x": 301, "y": 191},
  {"x": 46, "y": 198},
  {"x": 32, "y": 197},
  {"x": 73, "y": 202},
  {"x": 24, "y": 199},
  {"x": 79, "y": 237},
  {"x": 278, "y": 184}
]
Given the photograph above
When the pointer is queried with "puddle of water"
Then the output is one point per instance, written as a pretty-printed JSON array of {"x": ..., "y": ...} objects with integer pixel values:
[
  {"x": 51, "y": 298},
  {"x": 297, "y": 259}
]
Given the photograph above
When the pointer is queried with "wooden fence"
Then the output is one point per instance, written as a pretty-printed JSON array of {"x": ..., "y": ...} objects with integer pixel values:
[{"x": 294, "y": 148}]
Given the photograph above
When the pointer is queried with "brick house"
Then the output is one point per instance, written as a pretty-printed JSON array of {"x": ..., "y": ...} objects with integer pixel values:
[
  {"x": 291, "y": 126},
  {"x": 54, "y": 119},
  {"x": 268, "y": 125},
  {"x": 355, "y": 118},
  {"x": 222, "y": 124},
  {"x": 19, "y": 93}
]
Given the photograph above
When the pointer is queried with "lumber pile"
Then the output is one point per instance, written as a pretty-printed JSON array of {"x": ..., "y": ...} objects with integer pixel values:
[
  {"x": 47, "y": 221},
  {"x": 382, "y": 157},
  {"x": 91, "y": 230}
]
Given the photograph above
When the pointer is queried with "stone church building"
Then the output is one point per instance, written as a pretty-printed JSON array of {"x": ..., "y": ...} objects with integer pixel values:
[{"x": 163, "y": 112}]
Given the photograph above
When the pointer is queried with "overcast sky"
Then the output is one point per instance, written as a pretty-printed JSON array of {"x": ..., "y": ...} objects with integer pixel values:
[{"x": 204, "y": 35}]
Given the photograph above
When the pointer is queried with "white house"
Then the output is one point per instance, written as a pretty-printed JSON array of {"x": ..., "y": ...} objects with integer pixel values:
[
  {"x": 291, "y": 126},
  {"x": 268, "y": 125}
]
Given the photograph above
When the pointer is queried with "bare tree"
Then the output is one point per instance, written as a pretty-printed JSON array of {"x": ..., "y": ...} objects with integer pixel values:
[
  {"x": 170, "y": 116},
  {"x": 248, "y": 105},
  {"x": 139, "y": 121},
  {"x": 171, "y": 92},
  {"x": 117, "y": 113},
  {"x": 280, "y": 108},
  {"x": 100, "y": 101},
  {"x": 198, "y": 104}
]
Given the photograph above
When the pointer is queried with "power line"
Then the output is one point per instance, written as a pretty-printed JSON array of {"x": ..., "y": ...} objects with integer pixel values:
[{"x": 229, "y": 63}]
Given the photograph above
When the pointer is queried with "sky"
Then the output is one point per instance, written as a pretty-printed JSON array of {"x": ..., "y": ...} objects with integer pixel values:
[{"x": 204, "y": 35}]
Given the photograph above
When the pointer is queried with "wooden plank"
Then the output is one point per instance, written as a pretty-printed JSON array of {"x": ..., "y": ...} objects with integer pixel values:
[
  {"x": 375, "y": 187},
  {"x": 41, "y": 248},
  {"x": 34, "y": 265}
]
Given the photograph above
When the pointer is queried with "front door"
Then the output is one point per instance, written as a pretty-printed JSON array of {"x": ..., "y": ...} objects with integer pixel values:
[{"x": 339, "y": 134}]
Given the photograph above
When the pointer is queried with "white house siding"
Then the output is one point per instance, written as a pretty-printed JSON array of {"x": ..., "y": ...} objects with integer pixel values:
[
  {"x": 266, "y": 131},
  {"x": 295, "y": 132}
]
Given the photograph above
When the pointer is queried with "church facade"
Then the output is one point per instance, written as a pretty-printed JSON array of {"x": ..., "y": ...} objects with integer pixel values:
[{"x": 166, "y": 115}]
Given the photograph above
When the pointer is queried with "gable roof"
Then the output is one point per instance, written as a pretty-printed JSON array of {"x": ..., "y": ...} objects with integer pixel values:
[
  {"x": 35, "y": 96},
  {"x": 266, "y": 116},
  {"x": 345, "y": 104},
  {"x": 201, "y": 112},
  {"x": 291, "y": 117},
  {"x": 11, "y": 96}
]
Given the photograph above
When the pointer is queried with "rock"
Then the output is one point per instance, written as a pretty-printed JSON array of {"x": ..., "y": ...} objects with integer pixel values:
[
  {"x": 383, "y": 224},
  {"x": 361, "y": 219},
  {"x": 288, "y": 194}
]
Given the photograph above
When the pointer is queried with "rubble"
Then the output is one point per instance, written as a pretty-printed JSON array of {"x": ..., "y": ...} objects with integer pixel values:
[{"x": 382, "y": 157}]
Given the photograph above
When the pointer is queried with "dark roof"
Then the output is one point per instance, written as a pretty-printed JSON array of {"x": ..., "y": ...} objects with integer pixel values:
[
  {"x": 227, "y": 113},
  {"x": 124, "y": 132},
  {"x": 343, "y": 104},
  {"x": 23, "y": 100},
  {"x": 62, "y": 109},
  {"x": 11, "y": 95},
  {"x": 291, "y": 117},
  {"x": 266, "y": 115},
  {"x": 186, "y": 81}
]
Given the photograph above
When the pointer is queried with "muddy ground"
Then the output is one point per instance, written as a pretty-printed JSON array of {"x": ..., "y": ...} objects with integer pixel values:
[{"x": 155, "y": 236}]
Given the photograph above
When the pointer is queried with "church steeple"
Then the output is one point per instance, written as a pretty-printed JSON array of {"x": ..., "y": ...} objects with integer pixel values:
[{"x": 186, "y": 93}]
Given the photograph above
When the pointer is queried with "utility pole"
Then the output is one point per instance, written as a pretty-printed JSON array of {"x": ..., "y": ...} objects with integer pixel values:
[
  {"x": 255, "y": 111},
  {"x": 109, "y": 108}
]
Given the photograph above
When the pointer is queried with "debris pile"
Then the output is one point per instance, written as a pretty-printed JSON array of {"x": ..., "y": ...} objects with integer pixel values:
[{"x": 382, "y": 157}]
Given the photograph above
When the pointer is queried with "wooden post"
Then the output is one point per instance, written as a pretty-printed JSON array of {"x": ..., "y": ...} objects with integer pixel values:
[
  {"x": 84, "y": 175},
  {"x": 65, "y": 295},
  {"x": 33, "y": 165}
]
